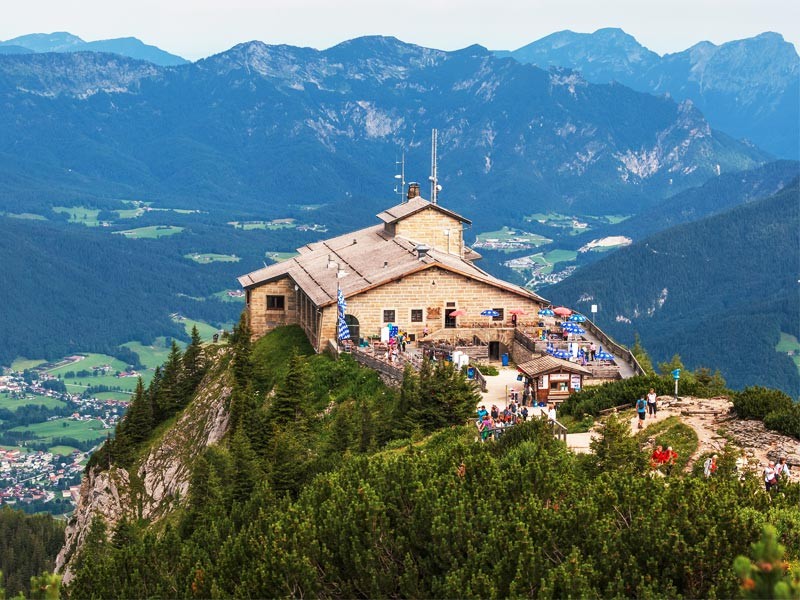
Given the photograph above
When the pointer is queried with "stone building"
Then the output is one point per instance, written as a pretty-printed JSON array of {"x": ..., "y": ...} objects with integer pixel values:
[{"x": 411, "y": 270}]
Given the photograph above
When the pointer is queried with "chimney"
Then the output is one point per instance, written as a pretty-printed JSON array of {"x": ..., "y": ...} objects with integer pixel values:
[
  {"x": 422, "y": 251},
  {"x": 413, "y": 190}
]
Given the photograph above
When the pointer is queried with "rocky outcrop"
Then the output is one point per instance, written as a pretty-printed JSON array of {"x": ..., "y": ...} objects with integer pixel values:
[
  {"x": 753, "y": 434},
  {"x": 161, "y": 479}
]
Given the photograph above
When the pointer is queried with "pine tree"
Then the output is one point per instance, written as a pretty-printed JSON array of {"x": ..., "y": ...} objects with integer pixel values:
[
  {"x": 769, "y": 575},
  {"x": 193, "y": 365},
  {"x": 291, "y": 395},
  {"x": 242, "y": 349},
  {"x": 169, "y": 397},
  {"x": 642, "y": 356},
  {"x": 139, "y": 417}
]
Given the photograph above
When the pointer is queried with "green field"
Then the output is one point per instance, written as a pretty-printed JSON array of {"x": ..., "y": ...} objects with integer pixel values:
[
  {"x": 223, "y": 297},
  {"x": 25, "y": 216},
  {"x": 614, "y": 219},
  {"x": 210, "y": 257},
  {"x": 80, "y": 214},
  {"x": 547, "y": 260},
  {"x": 90, "y": 360},
  {"x": 83, "y": 431},
  {"x": 557, "y": 255},
  {"x": 280, "y": 256},
  {"x": 272, "y": 225},
  {"x": 510, "y": 240},
  {"x": 151, "y": 232},
  {"x": 113, "y": 395},
  {"x": 205, "y": 330},
  {"x": 788, "y": 343},
  {"x": 130, "y": 213},
  {"x": 151, "y": 356},
  {"x": 20, "y": 364},
  {"x": 61, "y": 450},
  {"x": 7, "y": 402}
]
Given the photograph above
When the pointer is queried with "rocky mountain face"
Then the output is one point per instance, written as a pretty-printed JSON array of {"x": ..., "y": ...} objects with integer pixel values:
[
  {"x": 160, "y": 480},
  {"x": 266, "y": 124},
  {"x": 748, "y": 88},
  {"x": 66, "y": 42}
]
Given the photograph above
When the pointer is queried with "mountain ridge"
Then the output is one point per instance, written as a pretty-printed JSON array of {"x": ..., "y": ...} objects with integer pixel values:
[
  {"x": 62, "y": 41},
  {"x": 748, "y": 87}
]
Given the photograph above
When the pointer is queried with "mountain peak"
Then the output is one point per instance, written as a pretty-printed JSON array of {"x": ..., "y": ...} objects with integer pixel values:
[{"x": 58, "y": 41}]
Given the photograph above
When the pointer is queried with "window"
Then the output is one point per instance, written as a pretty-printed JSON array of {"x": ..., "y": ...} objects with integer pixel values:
[
  {"x": 388, "y": 316},
  {"x": 275, "y": 302},
  {"x": 416, "y": 315},
  {"x": 499, "y": 316}
]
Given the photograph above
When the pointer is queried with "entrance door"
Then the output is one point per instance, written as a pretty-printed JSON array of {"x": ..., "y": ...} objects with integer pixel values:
[
  {"x": 352, "y": 325},
  {"x": 494, "y": 350},
  {"x": 449, "y": 322}
]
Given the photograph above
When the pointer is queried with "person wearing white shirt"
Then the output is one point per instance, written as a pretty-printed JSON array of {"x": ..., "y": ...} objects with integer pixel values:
[{"x": 551, "y": 413}]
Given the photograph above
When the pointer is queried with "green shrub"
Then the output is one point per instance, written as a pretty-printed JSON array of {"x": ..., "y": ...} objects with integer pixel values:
[
  {"x": 786, "y": 421},
  {"x": 486, "y": 370},
  {"x": 757, "y": 402}
]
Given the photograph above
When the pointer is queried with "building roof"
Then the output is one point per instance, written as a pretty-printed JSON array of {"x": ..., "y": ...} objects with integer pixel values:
[
  {"x": 545, "y": 364},
  {"x": 401, "y": 211},
  {"x": 370, "y": 258}
]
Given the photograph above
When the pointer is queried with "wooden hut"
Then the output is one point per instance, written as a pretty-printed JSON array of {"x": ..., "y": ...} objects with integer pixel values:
[{"x": 553, "y": 379}]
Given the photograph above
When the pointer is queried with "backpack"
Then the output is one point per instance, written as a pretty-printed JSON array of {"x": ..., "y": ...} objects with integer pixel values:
[{"x": 640, "y": 405}]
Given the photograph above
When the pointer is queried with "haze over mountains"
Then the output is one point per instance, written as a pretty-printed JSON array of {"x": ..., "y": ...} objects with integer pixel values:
[
  {"x": 748, "y": 88},
  {"x": 301, "y": 126},
  {"x": 61, "y": 41}
]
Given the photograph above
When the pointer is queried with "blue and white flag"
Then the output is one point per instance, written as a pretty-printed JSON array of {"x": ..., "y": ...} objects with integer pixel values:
[{"x": 343, "y": 331}]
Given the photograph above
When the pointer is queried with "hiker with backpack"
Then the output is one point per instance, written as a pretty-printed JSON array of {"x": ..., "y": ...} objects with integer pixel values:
[{"x": 641, "y": 410}]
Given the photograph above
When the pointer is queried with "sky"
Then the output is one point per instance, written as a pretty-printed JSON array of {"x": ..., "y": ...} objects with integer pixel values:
[{"x": 198, "y": 28}]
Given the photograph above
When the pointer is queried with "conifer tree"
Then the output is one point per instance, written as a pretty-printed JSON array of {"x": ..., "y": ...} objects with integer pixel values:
[
  {"x": 139, "y": 417},
  {"x": 642, "y": 356},
  {"x": 616, "y": 449},
  {"x": 291, "y": 395},
  {"x": 170, "y": 398},
  {"x": 769, "y": 575},
  {"x": 193, "y": 365},
  {"x": 242, "y": 349},
  {"x": 245, "y": 471}
]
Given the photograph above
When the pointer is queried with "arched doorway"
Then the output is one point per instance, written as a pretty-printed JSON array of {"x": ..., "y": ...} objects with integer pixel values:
[{"x": 352, "y": 325}]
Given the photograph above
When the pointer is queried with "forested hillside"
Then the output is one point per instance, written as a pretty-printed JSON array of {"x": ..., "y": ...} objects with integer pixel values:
[
  {"x": 329, "y": 484},
  {"x": 28, "y": 547},
  {"x": 71, "y": 289},
  {"x": 718, "y": 292}
]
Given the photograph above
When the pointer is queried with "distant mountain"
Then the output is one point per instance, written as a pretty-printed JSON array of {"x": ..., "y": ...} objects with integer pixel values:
[
  {"x": 748, "y": 88},
  {"x": 66, "y": 42},
  {"x": 14, "y": 50},
  {"x": 716, "y": 291},
  {"x": 262, "y": 127},
  {"x": 715, "y": 196}
]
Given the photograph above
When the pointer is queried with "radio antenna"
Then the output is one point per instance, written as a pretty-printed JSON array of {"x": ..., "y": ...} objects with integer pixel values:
[{"x": 400, "y": 186}]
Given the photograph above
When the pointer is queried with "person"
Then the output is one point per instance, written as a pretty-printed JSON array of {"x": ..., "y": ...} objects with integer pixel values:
[
  {"x": 657, "y": 458},
  {"x": 770, "y": 481},
  {"x": 710, "y": 466},
  {"x": 482, "y": 412},
  {"x": 782, "y": 469},
  {"x": 524, "y": 413},
  {"x": 641, "y": 408},
  {"x": 551, "y": 413},
  {"x": 651, "y": 403},
  {"x": 425, "y": 331},
  {"x": 495, "y": 411},
  {"x": 670, "y": 458},
  {"x": 592, "y": 351},
  {"x": 513, "y": 320},
  {"x": 526, "y": 395}
]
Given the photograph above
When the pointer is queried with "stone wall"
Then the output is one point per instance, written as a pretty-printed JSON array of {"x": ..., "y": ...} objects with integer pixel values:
[
  {"x": 263, "y": 320},
  {"x": 430, "y": 291},
  {"x": 428, "y": 226}
]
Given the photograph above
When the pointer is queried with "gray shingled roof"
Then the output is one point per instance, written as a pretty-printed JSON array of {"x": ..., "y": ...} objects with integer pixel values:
[
  {"x": 543, "y": 364},
  {"x": 370, "y": 257}
]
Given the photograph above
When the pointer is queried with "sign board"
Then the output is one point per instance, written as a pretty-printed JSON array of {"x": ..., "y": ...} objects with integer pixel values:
[
  {"x": 559, "y": 377},
  {"x": 594, "y": 308},
  {"x": 676, "y": 374},
  {"x": 544, "y": 382},
  {"x": 575, "y": 384}
]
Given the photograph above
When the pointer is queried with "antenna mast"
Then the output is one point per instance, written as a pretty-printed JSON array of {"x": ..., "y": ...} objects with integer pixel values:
[
  {"x": 434, "y": 177},
  {"x": 400, "y": 188}
]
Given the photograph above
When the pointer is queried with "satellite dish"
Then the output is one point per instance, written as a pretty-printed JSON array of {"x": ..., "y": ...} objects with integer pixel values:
[{"x": 438, "y": 188}]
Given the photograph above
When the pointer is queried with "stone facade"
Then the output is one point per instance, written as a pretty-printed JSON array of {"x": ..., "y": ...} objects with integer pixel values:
[
  {"x": 265, "y": 317},
  {"x": 437, "y": 229},
  {"x": 429, "y": 291}
]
